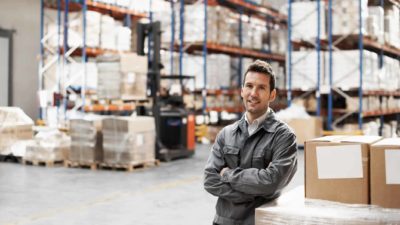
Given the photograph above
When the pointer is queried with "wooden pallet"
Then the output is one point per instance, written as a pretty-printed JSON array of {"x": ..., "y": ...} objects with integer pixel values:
[
  {"x": 131, "y": 166},
  {"x": 90, "y": 165},
  {"x": 49, "y": 163}
]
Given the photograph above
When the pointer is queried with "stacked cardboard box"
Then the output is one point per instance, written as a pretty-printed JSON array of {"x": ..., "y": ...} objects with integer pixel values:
[
  {"x": 305, "y": 20},
  {"x": 128, "y": 140},
  {"x": 86, "y": 140},
  {"x": 293, "y": 208},
  {"x": 15, "y": 125},
  {"x": 385, "y": 176},
  {"x": 337, "y": 168},
  {"x": 109, "y": 77},
  {"x": 345, "y": 16},
  {"x": 134, "y": 76}
]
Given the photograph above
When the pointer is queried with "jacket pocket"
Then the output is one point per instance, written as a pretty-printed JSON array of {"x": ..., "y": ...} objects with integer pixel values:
[
  {"x": 231, "y": 156},
  {"x": 258, "y": 159}
]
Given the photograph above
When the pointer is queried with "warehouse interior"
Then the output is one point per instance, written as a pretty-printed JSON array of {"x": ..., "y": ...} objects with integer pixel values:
[{"x": 109, "y": 109}]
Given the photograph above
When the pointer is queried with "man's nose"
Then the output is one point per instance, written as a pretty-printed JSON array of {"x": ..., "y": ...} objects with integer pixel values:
[{"x": 254, "y": 92}]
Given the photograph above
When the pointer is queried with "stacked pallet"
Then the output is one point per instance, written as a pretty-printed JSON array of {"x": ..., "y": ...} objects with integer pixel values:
[
  {"x": 128, "y": 142},
  {"x": 86, "y": 141}
]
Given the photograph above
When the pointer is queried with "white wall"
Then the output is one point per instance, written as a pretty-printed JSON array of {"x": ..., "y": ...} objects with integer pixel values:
[{"x": 23, "y": 16}]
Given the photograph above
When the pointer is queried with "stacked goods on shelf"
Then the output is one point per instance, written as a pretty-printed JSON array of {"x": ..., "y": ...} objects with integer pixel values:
[
  {"x": 392, "y": 26},
  {"x": 305, "y": 20},
  {"x": 75, "y": 29},
  {"x": 134, "y": 76},
  {"x": 128, "y": 140},
  {"x": 346, "y": 74},
  {"x": 304, "y": 70},
  {"x": 278, "y": 40},
  {"x": 389, "y": 129},
  {"x": 389, "y": 78},
  {"x": 108, "y": 32},
  {"x": 293, "y": 208},
  {"x": 48, "y": 146},
  {"x": 345, "y": 68},
  {"x": 375, "y": 23},
  {"x": 15, "y": 126},
  {"x": 123, "y": 38},
  {"x": 222, "y": 26},
  {"x": 109, "y": 77},
  {"x": 194, "y": 23},
  {"x": 86, "y": 140},
  {"x": 345, "y": 16},
  {"x": 75, "y": 74}
]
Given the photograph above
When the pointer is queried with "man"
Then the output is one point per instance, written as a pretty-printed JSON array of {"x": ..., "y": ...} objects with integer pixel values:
[{"x": 253, "y": 159}]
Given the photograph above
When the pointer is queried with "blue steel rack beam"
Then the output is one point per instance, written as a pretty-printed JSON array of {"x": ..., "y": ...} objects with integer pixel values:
[
  {"x": 83, "y": 88},
  {"x": 181, "y": 35},
  {"x": 329, "y": 121},
  {"x": 65, "y": 47},
  {"x": 171, "y": 47},
  {"x": 318, "y": 44},
  {"x": 40, "y": 81},
  {"x": 289, "y": 62},
  {"x": 204, "y": 92},
  {"x": 360, "y": 47}
]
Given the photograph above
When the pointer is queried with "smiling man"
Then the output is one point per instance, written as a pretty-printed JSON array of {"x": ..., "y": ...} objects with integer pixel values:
[{"x": 253, "y": 159}]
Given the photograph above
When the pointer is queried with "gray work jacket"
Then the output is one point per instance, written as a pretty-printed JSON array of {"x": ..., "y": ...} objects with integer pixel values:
[{"x": 261, "y": 165}]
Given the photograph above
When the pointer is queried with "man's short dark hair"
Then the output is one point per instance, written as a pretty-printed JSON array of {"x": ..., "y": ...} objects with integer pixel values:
[{"x": 262, "y": 67}]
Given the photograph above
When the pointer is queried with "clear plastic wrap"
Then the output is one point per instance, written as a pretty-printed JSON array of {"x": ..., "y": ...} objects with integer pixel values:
[
  {"x": 15, "y": 125},
  {"x": 128, "y": 140},
  {"x": 86, "y": 140},
  {"x": 293, "y": 208}
]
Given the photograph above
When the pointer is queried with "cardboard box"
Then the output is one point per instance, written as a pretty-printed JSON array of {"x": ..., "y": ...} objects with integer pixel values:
[
  {"x": 292, "y": 208},
  {"x": 385, "y": 173},
  {"x": 337, "y": 168},
  {"x": 306, "y": 129},
  {"x": 131, "y": 62}
]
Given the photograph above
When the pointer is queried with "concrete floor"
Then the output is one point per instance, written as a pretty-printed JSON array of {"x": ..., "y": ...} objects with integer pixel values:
[{"x": 171, "y": 194}]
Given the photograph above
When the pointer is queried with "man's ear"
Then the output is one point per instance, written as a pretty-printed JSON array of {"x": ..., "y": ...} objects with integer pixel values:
[{"x": 272, "y": 96}]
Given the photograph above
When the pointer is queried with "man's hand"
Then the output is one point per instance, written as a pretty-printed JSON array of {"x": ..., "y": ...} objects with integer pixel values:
[{"x": 223, "y": 171}]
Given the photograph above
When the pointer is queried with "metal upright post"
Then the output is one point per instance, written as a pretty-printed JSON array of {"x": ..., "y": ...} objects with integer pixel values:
[
  {"x": 128, "y": 20},
  {"x": 41, "y": 64},
  {"x": 330, "y": 100},
  {"x": 360, "y": 47},
  {"x": 289, "y": 62},
  {"x": 58, "y": 46},
  {"x": 318, "y": 44},
  {"x": 83, "y": 88},
  {"x": 181, "y": 35},
  {"x": 241, "y": 46},
  {"x": 150, "y": 37},
  {"x": 381, "y": 63},
  {"x": 171, "y": 47},
  {"x": 204, "y": 92},
  {"x": 65, "y": 47}
]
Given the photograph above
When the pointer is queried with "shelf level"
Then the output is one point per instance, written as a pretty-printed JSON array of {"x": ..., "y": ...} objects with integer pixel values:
[
  {"x": 109, "y": 108},
  {"x": 230, "y": 50},
  {"x": 380, "y": 112},
  {"x": 257, "y": 9},
  {"x": 115, "y": 11},
  {"x": 93, "y": 52}
]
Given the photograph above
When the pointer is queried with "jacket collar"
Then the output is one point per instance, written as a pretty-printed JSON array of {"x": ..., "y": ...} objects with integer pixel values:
[{"x": 269, "y": 124}]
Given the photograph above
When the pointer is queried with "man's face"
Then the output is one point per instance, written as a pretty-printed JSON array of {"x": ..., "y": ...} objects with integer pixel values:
[{"x": 256, "y": 94}]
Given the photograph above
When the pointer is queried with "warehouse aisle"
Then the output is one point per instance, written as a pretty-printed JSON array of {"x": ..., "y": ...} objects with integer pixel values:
[{"x": 171, "y": 194}]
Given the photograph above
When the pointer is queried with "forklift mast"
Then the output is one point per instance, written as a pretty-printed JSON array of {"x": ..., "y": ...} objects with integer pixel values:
[{"x": 174, "y": 125}]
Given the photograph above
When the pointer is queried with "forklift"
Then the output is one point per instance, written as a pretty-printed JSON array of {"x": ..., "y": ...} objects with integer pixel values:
[{"x": 175, "y": 124}]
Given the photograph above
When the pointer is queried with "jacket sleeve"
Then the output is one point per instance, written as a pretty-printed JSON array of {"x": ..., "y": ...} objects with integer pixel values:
[
  {"x": 212, "y": 177},
  {"x": 268, "y": 181}
]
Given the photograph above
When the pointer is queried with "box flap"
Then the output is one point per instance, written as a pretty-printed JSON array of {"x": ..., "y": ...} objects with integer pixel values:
[
  {"x": 331, "y": 138},
  {"x": 360, "y": 139},
  {"x": 388, "y": 142}
]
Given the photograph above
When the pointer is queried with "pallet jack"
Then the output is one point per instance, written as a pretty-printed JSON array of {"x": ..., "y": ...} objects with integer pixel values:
[{"x": 175, "y": 125}]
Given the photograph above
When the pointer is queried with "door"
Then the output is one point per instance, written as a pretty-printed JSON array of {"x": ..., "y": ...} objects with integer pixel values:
[{"x": 5, "y": 67}]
